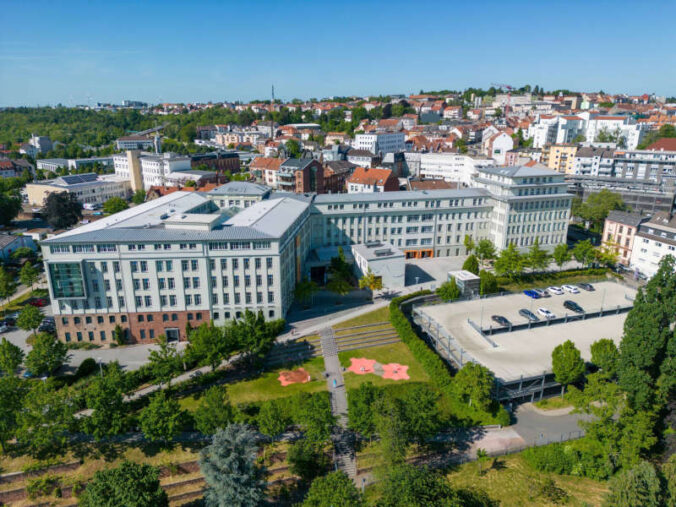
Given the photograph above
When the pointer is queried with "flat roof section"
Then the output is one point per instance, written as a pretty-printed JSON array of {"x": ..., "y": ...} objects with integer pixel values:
[{"x": 528, "y": 352}]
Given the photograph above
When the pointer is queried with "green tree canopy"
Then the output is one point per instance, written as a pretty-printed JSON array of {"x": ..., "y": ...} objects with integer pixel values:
[
  {"x": 485, "y": 250},
  {"x": 471, "y": 264},
  {"x": 370, "y": 281},
  {"x": 488, "y": 283},
  {"x": 307, "y": 459},
  {"x": 162, "y": 419},
  {"x": 638, "y": 486},
  {"x": 164, "y": 361},
  {"x": 29, "y": 318},
  {"x": 215, "y": 411},
  {"x": 293, "y": 148},
  {"x": 272, "y": 418},
  {"x": 537, "y": 258},
  {"x": 28, "y": 274},
  {"x": 114, "y": 205},
  {"x": 10, "y": 206},
  {"x": 473, "y": 384},
  {"x": 417, "y": 487},
  {"x": 11, "y": 357},
  {"x": 105, "y": 397},
  {"x": 230, "y": 469},
  {"x": 567, "y": 364},
  {"x": 605, "y": 355},
  {"x": 130, "y": 484},
  {"x": 584, "y": 252},
  {"x": 597, "y": 206},
  {"x": 12, "y": 391},
  {"x": 139, "y": 197},
  {"x": 62, "y": 210},
  {"x": 360, "y": 405},
  {"x": 305, "y": 289},
  {"x": 332, "y": 490},
  {"x": 47, "y": 355},
  {"x": 449, "y": 291},
  {"x": 510, "y": 262},
  {"x": 7, "y": 284},
  {"x": 469, "y": 243},
  {"x": 561, "y": 254},
  {"x": 208, "y": 345}
]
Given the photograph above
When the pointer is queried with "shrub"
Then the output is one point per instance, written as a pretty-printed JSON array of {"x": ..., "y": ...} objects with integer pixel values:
[
  {"x": 42, "y": 486},
  {"x": 87, "y": 367},
  {"x": 550, "y": 458}
]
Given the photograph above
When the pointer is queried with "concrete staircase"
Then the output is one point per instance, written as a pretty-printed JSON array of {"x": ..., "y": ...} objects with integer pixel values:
[{"x": 366, "y": 336}]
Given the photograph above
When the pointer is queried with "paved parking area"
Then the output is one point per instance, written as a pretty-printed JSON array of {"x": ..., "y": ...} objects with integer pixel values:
[{"x": 528, "y": 352}]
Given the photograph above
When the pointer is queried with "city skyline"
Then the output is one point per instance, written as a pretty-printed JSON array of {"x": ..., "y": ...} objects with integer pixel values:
[{"x": 80, "y": 53}]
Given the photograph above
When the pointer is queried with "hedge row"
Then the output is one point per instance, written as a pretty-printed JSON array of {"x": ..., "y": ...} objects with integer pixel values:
[
  {"x": 554, "y": 275},
  {"x": 431, "y": 362},
  {"x": 583, "y": 458}
]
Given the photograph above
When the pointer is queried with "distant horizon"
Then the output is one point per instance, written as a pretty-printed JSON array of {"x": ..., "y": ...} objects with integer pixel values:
[{"x": 81, "y": 53}]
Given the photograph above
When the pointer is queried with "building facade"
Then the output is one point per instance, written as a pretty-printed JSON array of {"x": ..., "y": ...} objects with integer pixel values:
[
  {"x": 88, "y": 188},
  {"x": 379, "y": 143},
  {"x": 655, "y": 239},
  {"x": 619, "y": 231}
]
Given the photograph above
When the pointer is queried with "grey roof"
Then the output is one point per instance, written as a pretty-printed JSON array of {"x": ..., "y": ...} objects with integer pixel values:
[
  {"x": 519, "y": 171},
  {"x": 589, "y": 151},
  {"x": 240, "y": 188},
  {"x": 340, "y": 166},
  {"x": 7, "y": 239},
  {"x": 626, "y": 218},
  {"x": 296, "y": 163},
  {"x": 401, "y": 195},
  {"x": 360, "y": 153},
  {"x": 73, "y": 179},
  {"x": 271, "y": 216}
]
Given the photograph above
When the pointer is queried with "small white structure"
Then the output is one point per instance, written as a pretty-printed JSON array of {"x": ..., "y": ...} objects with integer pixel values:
[
  {"x": 468, "y": 283},
  {"x": 383, "y": 259}
]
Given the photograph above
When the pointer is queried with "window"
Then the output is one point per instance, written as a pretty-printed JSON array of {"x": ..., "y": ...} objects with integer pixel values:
[
  {"x": 165, "y": 317},
  {"x": 138, "y": 301},
  {"x": 102, "y": 334},
  {"x": 235, "y": 263},
  {"x": 193, "y": 264},
  {"x": 268, "y": 262},
  {"x": 174, "y": 317},
  {"x": 140, "y": 318},
  {"x": 148, "y": 300},
  {"x": 111, "y": 319},
  {"x": 67, "y": 334},
  {"x": 257, "y": 263},
  {"x": 151, "y": 333},
  {"x": 235, "y": 280},
  {"x": 188, "y": 300},
  {"x": 143, "y": 334},
  {"x": 246, "y": 263},
  {"x": 90, "y": 335},
  {"x": 172, "y": 300},
  {"x": 184, "y": 265},
  {"x": 99, "y": 319},
  {"x": 198, "y": 299},
  {"x": 195, "y": 282},
  {"x": 270, "y": 280},
  {"x": 224, "y": 263},
  {"x": 159, "y": 266},
  {"x": 134, "y": 266},
  {"x": 169, "y": 265},
  {"x": 144, "y": 266}
]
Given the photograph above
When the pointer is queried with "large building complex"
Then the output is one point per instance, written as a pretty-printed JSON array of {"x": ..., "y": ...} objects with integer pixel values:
[
  {"x": 181, "y": 259},
  {"x": 379, "y": 143},
  {"x": 89, "y": 188}
]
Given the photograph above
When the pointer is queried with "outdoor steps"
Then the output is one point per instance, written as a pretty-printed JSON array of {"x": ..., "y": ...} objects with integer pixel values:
[
  {"x": 383, "y": 334},
  {"x": 367, "y": 333},
  {"x": 355, "y": 342},
  {"x": 369, "y": 345}
]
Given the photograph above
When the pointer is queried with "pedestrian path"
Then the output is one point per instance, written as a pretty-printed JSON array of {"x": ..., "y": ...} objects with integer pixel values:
[{"x": 342, "y": 437}]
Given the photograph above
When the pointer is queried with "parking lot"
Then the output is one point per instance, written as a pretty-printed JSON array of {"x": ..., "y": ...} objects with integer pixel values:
[{"x": 528, "y": 352}]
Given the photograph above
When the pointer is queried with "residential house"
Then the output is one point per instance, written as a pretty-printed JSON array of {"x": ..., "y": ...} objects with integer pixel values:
[
  {"x": 619, "y": 231},
  {"x": 655, "y": 239},
  {"x": 365, "y": 179}
]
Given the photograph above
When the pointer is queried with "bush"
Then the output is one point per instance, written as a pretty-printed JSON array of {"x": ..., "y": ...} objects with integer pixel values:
[
  {"x": 42, "y": 486},
  {"x": 87, "y": 367},
  {"x": 583, "y": 458},
  {"x": 550, "y": 458}
]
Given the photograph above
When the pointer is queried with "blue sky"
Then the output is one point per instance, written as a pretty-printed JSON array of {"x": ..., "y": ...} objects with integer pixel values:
[{"x": 78, "y": 51}]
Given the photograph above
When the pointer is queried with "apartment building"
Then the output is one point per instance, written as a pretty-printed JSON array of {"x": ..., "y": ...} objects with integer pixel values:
[
  {"x": 180, "y": 259},
  {"x": 560, "y": 157},
  {"x": 551, "y": 129},
  {"x": 135, "y": 143},
  {"x": 619, "y": 231},
  {"x": 591, "y": 161},
  {"x": 529, "y": 203},
  {"x": 365, "y": 179},
  {"x": 238, "y": 194},
  {"x": 89, "y": 188},
  {"x": 454, "y": 167},
  {"x": 150, "y": 170},
  {"x": 655, "y": 239},
  {"x": 381, "y": 142}
]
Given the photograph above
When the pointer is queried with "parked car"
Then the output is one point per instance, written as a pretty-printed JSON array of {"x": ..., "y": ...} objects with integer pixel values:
[
  {"x": 573, "y": 306},
  {"x": 546, "y": 313},
  {"x": 9, "y": 321},
  {"x": 555, "y": 290},
  {"x": 542, "y": 293},
  {"x": 38, "y": 302},
  {"x": 571, "y": 288},
  {"x": 3, "y": 327},
  {"x": 532, "y": 294},
  {"x": 528, "y": 315},
  {"x": 501, "y": 320},
  {"x": 586, "y": 286}
]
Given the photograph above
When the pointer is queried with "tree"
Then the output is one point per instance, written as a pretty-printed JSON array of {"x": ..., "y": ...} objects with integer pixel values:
[
  {"x": 12, "y": 391},
  {"x": 637, "y": 486},
  {"x": 307, "y": 459},
  {"x": 162, "y": 419},
  {"x": 62, "y": 210},
  {"x": 28, "y": 275},
  {"x": 421, "y": 412},
  {"x": 130, "y": 484},
  {"x": 272, "y": 418},
  {"x": 208, "y": 346},
  {"x": 293, "y": 148},
  {"x": 118, "y": 335},
  {"x": 11, "y": 357},
  {"x": 164, "y": 361},
  {"x": 230, "y": 470},
  {"x": 567, "y": 364},
  {"x": 46, "y": 415},
  {"x": 332, "y": 490},
  {"x": 538, "y": 259},
  {"x": 605, "y": 355},
  {"x": 597, "y": 206},
  {"x": 114, "y": 205},
  {"x": 606, "y": 254},
  {"x": 105, "y": 397},
  {"x": 561, "y": 255},
  {"x": 24, "y": 252},
  {"x": 510, "y": 262},
  {"x": 416, "y": 487},
  {"x": 339, "y": 286},
  {"x": 314, "y": 415},
  {"x": 488, "y": 283},
  {"x": 253, "y": 335},
  {"x": 471, "y": 264},
  {"x": 139, "y": 197},
  {"x": 7, "y": 284},
  {"x": 391, "y": 428},
  {"x": 371, "y": 282},
  {"x": 10, "y": 206},
  {"x": 449, "y": 291},
  {"x": 215, "y": 412},
  {"x": 473, "y": 384},
  {"x": 29, "y": 318},
  {"x": 47, "y": 355},
  {"x": 485, "y": 250},
  {"x": 469, "y": 244},
  {"x": 305, "y": 289},
  {"x": 669, "y": 473},
  {"x": 584, "y": 252},
  {"x": 360, "y": 409}
]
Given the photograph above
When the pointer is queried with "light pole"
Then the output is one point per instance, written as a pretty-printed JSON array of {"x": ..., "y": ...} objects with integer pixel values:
[{"x": 100, "y": 366}]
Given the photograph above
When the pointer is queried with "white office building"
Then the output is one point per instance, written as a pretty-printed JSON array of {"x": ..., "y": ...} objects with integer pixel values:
[
  {"x": 452, "y": 167},
  {"x": 381, "y": 142},
  {"x": 655, "y": 239},
  {"x": 162, "y": 169}
]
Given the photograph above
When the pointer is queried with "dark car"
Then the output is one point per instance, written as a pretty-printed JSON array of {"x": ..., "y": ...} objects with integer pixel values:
[
  {"x": 9, "y": 321},
  {"x": 586, "y": 286},
  {"x": 501, "y": 320},
  {"x": 573, "y": 306},
  {"x": 38, "y": 302},
  {"x": 528, "y": 315}
]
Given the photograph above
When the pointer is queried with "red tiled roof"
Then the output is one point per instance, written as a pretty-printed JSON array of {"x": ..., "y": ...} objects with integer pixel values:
[
  {"x": 266, "y": 163},
  {"x": 365, "y": 176},
  {"x": 666, "y": 144}
]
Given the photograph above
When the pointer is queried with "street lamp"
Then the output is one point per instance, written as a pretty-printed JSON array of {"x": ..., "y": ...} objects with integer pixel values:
[{"x": 100, "y": 366}]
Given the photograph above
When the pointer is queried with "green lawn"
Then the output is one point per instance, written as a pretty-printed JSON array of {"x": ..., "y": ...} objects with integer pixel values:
[
  {"x": 393, "y": 353},
  {"x": 552, "y": 403},
  {"x": 374, "y": 317},
  {"x": 512, "y": 482},
  {"x": 267, "y": 387}
]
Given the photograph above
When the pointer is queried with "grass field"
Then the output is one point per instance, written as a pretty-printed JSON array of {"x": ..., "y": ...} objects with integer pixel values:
[
  {"x": 267, "y": 387},
  {"x": 379, "y": 315},
  {"x": 393, "y": 353},
  {"x": 512, "y": 482},
  {"x": 553, "y": 403}
]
